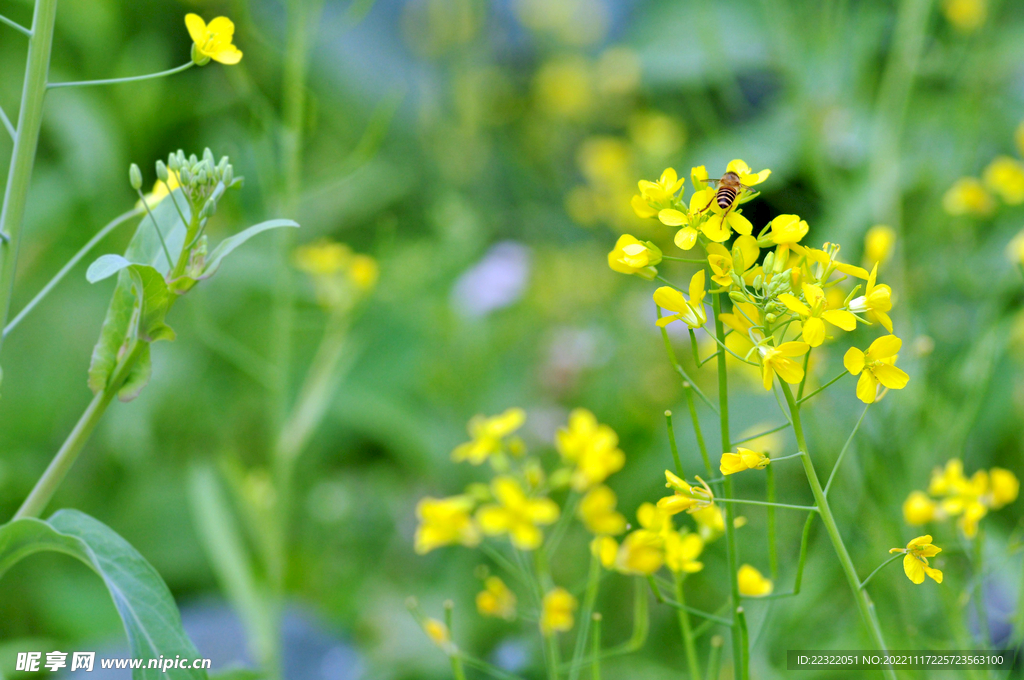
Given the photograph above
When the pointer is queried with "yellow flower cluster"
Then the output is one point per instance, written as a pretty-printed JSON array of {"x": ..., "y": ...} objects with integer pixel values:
[
  {"x": 1003, "y": 177},
  {"x": 952, "y": 494},
  {"x": 590, "y": 449},
  {"x": 340, "y": 277}
]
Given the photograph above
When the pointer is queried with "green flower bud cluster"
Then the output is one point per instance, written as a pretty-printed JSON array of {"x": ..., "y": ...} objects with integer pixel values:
[{"x": 200, "y": 179}]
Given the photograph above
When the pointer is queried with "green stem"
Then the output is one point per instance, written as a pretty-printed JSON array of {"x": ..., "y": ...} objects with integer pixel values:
[
  {"x": 15, "y": 25},
  {"x": 129, "y": 79},
  {"x": 747, "y": 501},
  {"x": 897, "y": 556},
  {"x": 672, "y": 443},
  {"x": 75, "y": 259},
  {"x": 156, "y": 227},
  {"x": 803, "y": 381},
  {"x": 864, "y": 605},
  {"x": 30, "y": 119},
  {"x": 457, "y": 670},
  {"x": 979, "y": 588},
  {"x": 684, "y": 259},
  {"x": 688, "y": 391},
  {"x": 739, "y": 638},
  {"x": 694, "y": 348},
  {"x": 595, "y": 649},
  {"x": 675, "y": 363},
  {"x": 839, "y": 458},
  {"x": 8, "y": 124},
  {"x": 684, "y": 627},
  {"x": 823, "y": 387},
  {"x": 773, "y": 548},
  {"x": 593, "y": 581},
  {"x": 715, "y": 657},
  {"x": 551, "y": 643},
  {"x": 55, "y": 473},
  {"x": 762, "y": 434}
]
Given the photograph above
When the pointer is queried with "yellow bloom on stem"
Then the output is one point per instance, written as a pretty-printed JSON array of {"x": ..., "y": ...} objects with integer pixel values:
[
  {"x": 516, "y": 514},
  {"x": 919, "y": 509},
  {"x": 968, "y": 196},
  {"x": 779, "y": 361},
  {"x": 815, "y": 313},
  {"x": 1005, "y": 487},
  {"x": 682, "y": 551},
  {"x": 363, "y": 271},
  {"x": 787, "y": 229},
  {"x": 828, "y": 262},
  {"x": 631, "y": 256},
  {"x": 605, "y": 549},
  {"x": 741, "y": 259},
  {"x": 746, "y": 316},
  {"x": 747, "y": 176},
  {"x": 496, "y": 599},
  {"x": 711, "y": 522},
  {"x": 438, "y": 633},
  {"x": 592, "y": 447},
  {"x": 690, "y": 311},
  {"x": 876, "y": 366},
  {"x": 642, "y": 553},
  {"x": 1005, "y": 177},
  {"x": 970, "y": 499},
  {"x": 722, "y": 223},
  {"x": 213, "y": 40},
  {"x": 743, "y": 459},
  {"x": 752, "y": 583},
  {"x": 685, "y": 497},
  {"x": 879, "y": 243},
  {"x": 915, "y": 560},
  {"x": 966, "y": 16},
  {"x": 488, "y": 435},
  {"x": 597, "y": 511},
  {"x": 445, "y": 521},
  {"x": 657, "y": 196},
  {"x": 875, "y": 302},
  {"x": 557, "y": 611}
]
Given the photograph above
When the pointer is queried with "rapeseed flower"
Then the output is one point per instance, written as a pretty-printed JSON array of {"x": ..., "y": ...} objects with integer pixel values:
[
  {"x": 743, "y": 459},
  {"x": 685, "y": 497},
  {"x": 557, "y": 610},
  {"x": 496, "y": 599},
  {"x": 741, "y": 260},
  {"x": 659, "y": 196},
  {"x": 815, "y": 313},
  {"x": 967, "y": 499},
  {"x": 690, "y": 311},
  {"x": 967, "y": 16},
  {"x": 445, "y": 521},
  {"x": 919, "y": 509},
  {"x": 605, "y": 549},
  {"x": 598, "y": 514},
  {"x": 213, "y": 40},
  {"x": 752, "y": 583},
  {"x": 489, "y": 435},
  {"x": 1005, "y": 176},
  {"x": 516, "y": 514},
  {"x": 779, "y": 361},
  {"x": 915, "y": 560},
  {"x": 879, "y": 243},
  {"x": 875, "y": 302},
  {"x": 592, "y": 448},
  {"x": 643, "y": 550},
  {"x": 682, "y": 551},
  {"x": 968, "y": 196},
  {"x": 438, "y": 634},
  {"x": 787, "y": 230},
  {"x": 875, "y": 366},
  {"x": 631, "y": 256}
]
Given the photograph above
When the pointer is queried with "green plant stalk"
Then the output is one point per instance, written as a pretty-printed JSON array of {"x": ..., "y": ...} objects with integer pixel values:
[
  {"x": 979, "y": 588},
  {"x": 693, "y": 665},
  {"x": 860, "y": 597},
  {"x": 457, "y": 669},
  {"x": 30, "y": 118},
  {"x": 897, "y": 556},
  {"x": 688, "y": 391},
  {"x": 589, "y": 600},
  {"x": 773, "y": 548},
  {"x": 672, "y": 443},
  {"x": 595, "y": 650},
  {"x": 55, "y": 473},
  {"x": 715, "y": 658},
  {"x": 739, "y": 638},
  {"x": 551, "y": 644}
]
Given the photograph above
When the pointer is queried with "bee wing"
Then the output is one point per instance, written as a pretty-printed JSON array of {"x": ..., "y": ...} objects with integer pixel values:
[{"x": 713, "y": 183}]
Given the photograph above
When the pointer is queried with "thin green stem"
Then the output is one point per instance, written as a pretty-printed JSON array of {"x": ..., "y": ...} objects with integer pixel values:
[
  {"x": 457, "y": 670},
  {"x": 595, "y": 649},
  {"x": 30, "y": 119},
  {"x": 661, "y": 599},
  {"x": 773, "y": 548},
  {"x": 129, "y": 79},
  {"x": 485, "y": 667},
  {"x": 823, "y": 387},
  {"x": 15, "y": 25},
  {"x": 694, "y": 348},
  {"x": 672, "y": 444},
  {"x": 842, "y": 453},
  {"x": 552, "y": 658},
  {"x": 745, "y": 501},
  {"x": 824, "y": 509},
  {"x": 803, "y": 381},
  {"x": 589, "y": 600},
  {"x": 798, "y": 580},
  {"x": 761, "y": 434},
  {"x": 688, "y": 391},
  {"x": 692, "y": 662},
  {"x": 684, "y": 259},
  {"x": 978, "y": 564},
  {"x": 8, "y": 124},
  {"x": 721, "y": 343},
  {"x": 715, "y": 657},
  {"x": 75, "y": 259},
  {"x": 897, "y": 556},
  {"x": 675, "y": 363},
  {"x": 156, "y": 227}
]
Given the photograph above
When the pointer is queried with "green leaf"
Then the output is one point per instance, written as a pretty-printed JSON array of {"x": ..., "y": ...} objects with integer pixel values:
[
  {"x": 113, "y": 333},
  {"x": 155, "y": 300},
  {"x": 138, "y": 377},
  {"x": 105, "y": 266},
  {"x": 147, "y": 609},
  {"x": 145, "y": 247},
  {"x": 225, "y": 247}
]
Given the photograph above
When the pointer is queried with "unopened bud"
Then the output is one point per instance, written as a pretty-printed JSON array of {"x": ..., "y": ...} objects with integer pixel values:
[
  {"x": 208, "y": 210},
  {"x": 161, "y": 171},
  {"x": 770, "y": 318},
  {"x": 135, "y": 177},
  {"x": 208, "y": 155},
  {"x": 172, "y": 162},
  {"x": 737, "y": 296},
  {"x": 229, "y": 175},
  {"x": 769, "y": 262},
  {"x": 758, "y": 282}
]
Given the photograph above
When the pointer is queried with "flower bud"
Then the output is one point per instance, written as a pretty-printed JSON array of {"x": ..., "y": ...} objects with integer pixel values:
[
  {"x": 185, "y": 175},
  {"x": 193, "y": 160},
  {"x": 737, "y": 296},
  {"x": 135, "y": 177},
  {"x": 758, "y": 282},
  {"x": 229, "y": 175},
  {"x": 172, "y": 162},
  {"x": 161, "y": 171},
  {"x": 770, "y": 318},
  {"x": 208, "y": 155},
  {"x": 769, "y": 261},
  {"x": 208, "y": 210}
]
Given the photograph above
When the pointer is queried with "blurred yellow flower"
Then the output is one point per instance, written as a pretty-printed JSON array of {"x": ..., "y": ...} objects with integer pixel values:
[
  {"x": 1005, "y": 487},
  {"x": 564, "y": 88},
  {"x": 741, "y": 259},
  {"x": 968, "y": 196},
  {"x": 335, "y": 270},
  {"x": 213, "y": 40},
  {"x": 363, "y": 271},
  {"x": 605, "y": 549},
  {"x": 778, "y": 361},
  {"x": 438, "y": 633},
  {"x": 631, "y": 256},
  {"x": 875, "y": 366},
  {"x": 685, "y": 497},
  {"x": 322, "y": 258},
  {"x": 1004, "y": 176},
  {"x": 682, "y": 551},
  {"x": 557, "y": 611},
  {"x": 875, "y": 302},
  {"x": 642, "y": 553},
  {"x": 879, "y": 243},
  {"x": 597, "y": 511},
  {"x": 656, "y": 134},
  {"x": 591, "y": 446},
  {"x": 1015, "y": 249},
  {"x": 968, "y": 499},
  {"x": 690, "y": 311},
  {"x": 743, "y": 459},
  {"x": 516, "y": 514},
  {"x": 915, "y": 560},
  {"x": 815, "y": 313},
  {"x": 488, "y": 436},
  {"x": 445, "y": 521},
  {"x": 787, "y": 229},
  {"x": 919, "y": 509},
  {"x": 966, "y": 16},
  {"x": 752, "y": 583},
  {"x": 496, "y": 599}
]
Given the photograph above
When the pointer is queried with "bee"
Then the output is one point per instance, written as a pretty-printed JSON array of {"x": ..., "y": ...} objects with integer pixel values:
[{"x": 729, "y": 189}]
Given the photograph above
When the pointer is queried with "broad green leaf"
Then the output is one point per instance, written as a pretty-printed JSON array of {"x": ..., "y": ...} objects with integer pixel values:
[
  {"x": 145, "y": 246},
  {"x": 139, "y": 376},
  {"x": 113, "y": 333},
  {"x": 147, "y": 609},
  {"x": 225, "y": 247},
  {"x": 155, "y": 299},
  {"x": 105, "y": 266}
]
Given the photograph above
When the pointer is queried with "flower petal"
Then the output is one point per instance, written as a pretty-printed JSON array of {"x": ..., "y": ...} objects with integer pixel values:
[
  {"x": 686, "y": 238},
  {"x": 673, "y": 218},
  {"x": 890, "y": 376},
  {"x": 884, "y": 347},
  {"x": 196, "y": 28},
  {"x": 867, "y": 387},
  {"x": 853, "y": 360},
  {"x": 913, "y": 568},
  {"x": 840, "y": 318}
]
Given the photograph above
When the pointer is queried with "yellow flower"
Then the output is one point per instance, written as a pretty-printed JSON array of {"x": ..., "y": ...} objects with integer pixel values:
[
  {"x": 557, "y": 611},
  {"x": 592, "y": 447},
  {"x": 875, "y": 302},
  {"x": 879, "y": 243},
  {"x": 778, "y": 361},
  {"x": 949, "y": 480},
  {"x": 690, "y": 311},
  {"x": 748, "y": 177},
  {"x": 966, "y": 16},
  {"x": 597, "y": 511},
  {"x": 322, "y": 258},
  {"x": 1015, "y": 249},
  {"x": 516, "y": 514},
  {"x": 876, "y": 366},
  {"x": 968, "y": 196},
  {"x": 642, "y": 552},
  {"x": 1005, "y": 176},
  {"x": 685, "y": 497},
  {"x": 710, "y": 522},
  {"x": 918, "y": 509},
  {"x": 655, "y": 197},
  {"x": 722, "y": 223},
  {"x": 445, "y": 521},
  {"x": 161, "y": 190},
  {"x": 827, "y": 261},
  {"x": 752, "y": 583},
  {"x": 915, "y": 560},
  {"x": 815, "y": 313},
  {"x": 488, "y": 435},
  {"x": 787, "y": 229},
  {"x": 605, "y": 549},
  {"x": 438, "y": 633},
  {"x": 631, "y": 256},
  {"x": 970, "y": 499},
  {"x": 363, "y": 271},
  {"x": 741, "y": 259},
  {"x": 682, "y": 551},
  {"x": 213, "y": 40},
  {"x": 1005, "y": 487},
  {"x": 744, "y": 459},
  {"x": 496, "y": 599}
]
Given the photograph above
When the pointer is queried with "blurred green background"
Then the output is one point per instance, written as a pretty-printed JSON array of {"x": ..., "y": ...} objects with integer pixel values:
[{"x": 485, "y": 153}]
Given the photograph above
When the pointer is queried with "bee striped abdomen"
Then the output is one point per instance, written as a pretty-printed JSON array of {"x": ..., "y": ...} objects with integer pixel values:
[{"x": 725, "y": 197}]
